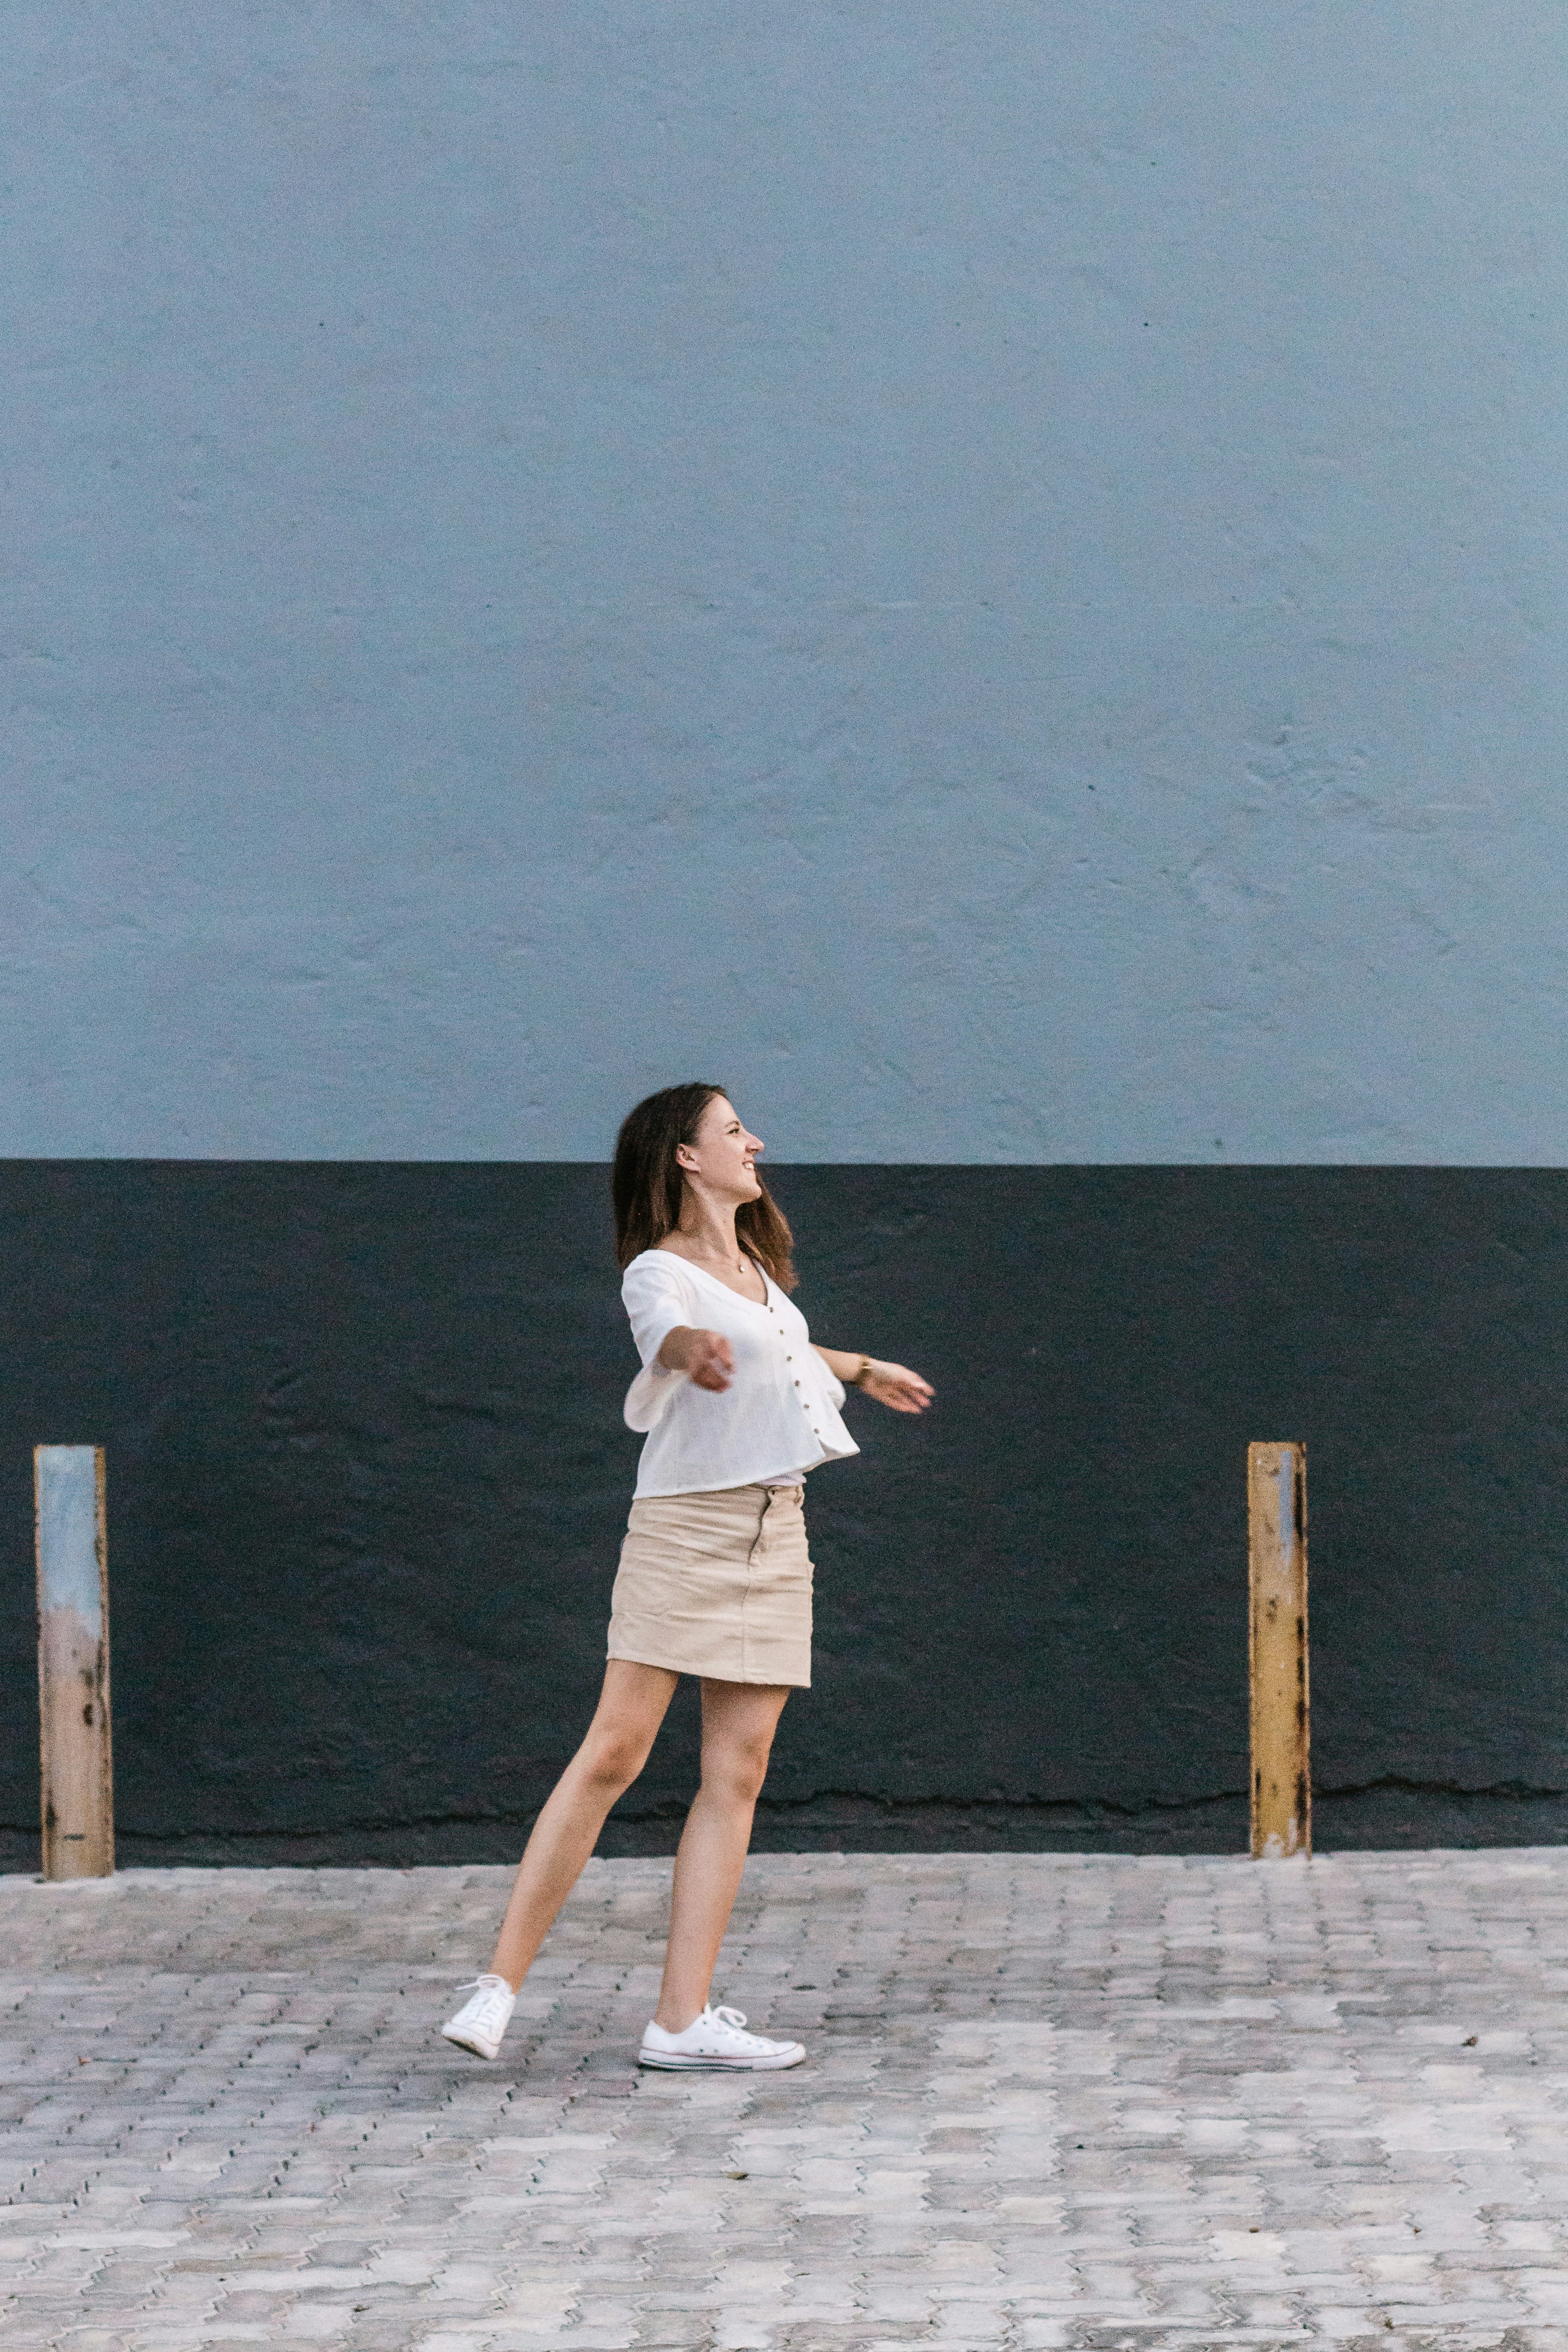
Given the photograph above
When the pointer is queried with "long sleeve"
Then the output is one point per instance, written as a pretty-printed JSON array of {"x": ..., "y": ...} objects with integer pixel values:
[{"x": 657, "y": 1301}]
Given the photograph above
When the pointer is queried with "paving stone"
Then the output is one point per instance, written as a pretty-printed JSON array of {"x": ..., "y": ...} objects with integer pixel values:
[{"x": 1055, "y": 2103}]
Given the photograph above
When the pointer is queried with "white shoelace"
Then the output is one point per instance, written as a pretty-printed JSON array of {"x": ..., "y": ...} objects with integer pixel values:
[
  {"x": 734, "y": 2017},
  {"x": 494, "y": 1987}
]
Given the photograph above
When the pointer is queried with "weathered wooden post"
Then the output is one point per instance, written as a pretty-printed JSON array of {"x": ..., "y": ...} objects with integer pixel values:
[
  {"x": 1277, "y": 1647},
  {"x": 73, "y": 1662}
]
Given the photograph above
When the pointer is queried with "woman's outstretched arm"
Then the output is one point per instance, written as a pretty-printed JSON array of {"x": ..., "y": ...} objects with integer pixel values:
[
  {"x": 705, "y": 1357},
  {"x": 890, "y": 1384}
]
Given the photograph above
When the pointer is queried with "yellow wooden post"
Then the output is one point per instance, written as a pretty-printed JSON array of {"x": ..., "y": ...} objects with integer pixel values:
[
  {"x": 1281, "y": 1699},
  {"x": 73, "y": 1662}
]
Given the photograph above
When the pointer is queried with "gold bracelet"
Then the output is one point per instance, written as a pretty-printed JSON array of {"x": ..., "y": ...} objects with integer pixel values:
[{"x": 857, "y": 1380}]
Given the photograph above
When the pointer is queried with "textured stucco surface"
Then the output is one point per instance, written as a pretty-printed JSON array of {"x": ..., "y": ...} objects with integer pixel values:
[
  {"x": 368, "y": 1480},
  {"x": 990, "y": 575}
]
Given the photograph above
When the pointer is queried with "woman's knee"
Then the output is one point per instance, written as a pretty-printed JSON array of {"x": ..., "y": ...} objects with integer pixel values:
[
  {"x": 612, "y": 1758},
  {"x": 737, "y": 1772}
]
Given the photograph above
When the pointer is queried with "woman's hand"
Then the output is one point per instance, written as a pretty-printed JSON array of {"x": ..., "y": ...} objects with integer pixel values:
[
  {"x": 705, "y": 1357},
  {"x": 896, "y": 1386}
]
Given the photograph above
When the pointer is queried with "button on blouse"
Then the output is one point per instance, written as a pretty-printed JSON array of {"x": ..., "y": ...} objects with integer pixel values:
[{"x": 696, "y": 1441}]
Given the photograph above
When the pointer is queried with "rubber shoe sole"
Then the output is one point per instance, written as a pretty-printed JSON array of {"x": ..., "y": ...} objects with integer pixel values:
[
  {"x": 789, "y": 2055},
  {"x": 477, "y": 2048}
]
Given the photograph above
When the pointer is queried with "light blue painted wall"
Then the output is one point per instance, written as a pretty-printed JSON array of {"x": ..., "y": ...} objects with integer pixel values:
[{"x": 989, "y": 571}]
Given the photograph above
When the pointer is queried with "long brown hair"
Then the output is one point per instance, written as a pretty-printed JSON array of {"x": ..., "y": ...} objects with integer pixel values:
[{"x": 648, "y": 1184}]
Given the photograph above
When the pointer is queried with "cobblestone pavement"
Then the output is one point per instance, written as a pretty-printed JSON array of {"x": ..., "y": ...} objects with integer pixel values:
[{"x": 1052, "y": 2100}]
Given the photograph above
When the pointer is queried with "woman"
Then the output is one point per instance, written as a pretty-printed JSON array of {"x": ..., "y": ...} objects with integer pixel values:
[{"x": 715, "y": 1579}]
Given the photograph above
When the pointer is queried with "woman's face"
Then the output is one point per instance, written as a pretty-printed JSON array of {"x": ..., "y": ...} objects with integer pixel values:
[{"x": 721, "y": 1158}]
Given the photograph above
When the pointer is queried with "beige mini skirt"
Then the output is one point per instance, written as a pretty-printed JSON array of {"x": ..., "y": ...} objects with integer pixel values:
[{"x": 717, "y": 1584}]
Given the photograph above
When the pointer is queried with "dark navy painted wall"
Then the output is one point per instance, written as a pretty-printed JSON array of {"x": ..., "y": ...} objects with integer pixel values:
[
  {"x": 990, "y": 574},
  {"x": 367, "y": 1478}
]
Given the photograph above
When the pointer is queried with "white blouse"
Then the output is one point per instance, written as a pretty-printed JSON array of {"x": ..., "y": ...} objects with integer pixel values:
[{"x": 777, "y": 1419}]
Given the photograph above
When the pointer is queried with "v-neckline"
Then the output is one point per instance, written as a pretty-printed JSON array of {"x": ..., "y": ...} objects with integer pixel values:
[{"x": 759, "y": 1304}]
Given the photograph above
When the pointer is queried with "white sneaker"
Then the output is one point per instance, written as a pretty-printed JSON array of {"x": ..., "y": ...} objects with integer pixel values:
[
  {"x": 717, "y": 2039},
  {"x": 480, "y": 2023}
]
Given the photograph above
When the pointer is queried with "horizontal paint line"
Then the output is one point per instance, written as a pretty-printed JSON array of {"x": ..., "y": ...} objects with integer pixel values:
[
  {"x": 1109, "y": 1809},
  {"x": 1216, "y": 1165}
]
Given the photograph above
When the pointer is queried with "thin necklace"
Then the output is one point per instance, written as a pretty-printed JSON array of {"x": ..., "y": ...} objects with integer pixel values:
[{"x": 737, "y": 1264}]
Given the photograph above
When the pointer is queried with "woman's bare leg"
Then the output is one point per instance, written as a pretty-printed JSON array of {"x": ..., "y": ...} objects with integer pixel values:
[
  {"x": 738, "y": 1724},
  {"x": 631, "y": 1709}
]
